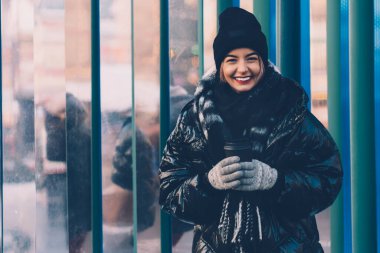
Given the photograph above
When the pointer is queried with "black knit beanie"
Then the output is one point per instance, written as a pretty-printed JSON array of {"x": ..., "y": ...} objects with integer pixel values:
[{"x": 238, "y": 28}]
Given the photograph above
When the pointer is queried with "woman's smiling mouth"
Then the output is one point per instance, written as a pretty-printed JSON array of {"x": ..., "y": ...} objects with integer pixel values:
[{"x": 243, "y": 80}]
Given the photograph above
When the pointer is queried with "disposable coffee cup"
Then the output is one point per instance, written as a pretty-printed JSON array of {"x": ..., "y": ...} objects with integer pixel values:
[{"x": 240, "y": 147}]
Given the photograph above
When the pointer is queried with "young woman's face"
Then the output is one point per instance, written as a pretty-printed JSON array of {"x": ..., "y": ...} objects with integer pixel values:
[{"x": 242, "y": 69}]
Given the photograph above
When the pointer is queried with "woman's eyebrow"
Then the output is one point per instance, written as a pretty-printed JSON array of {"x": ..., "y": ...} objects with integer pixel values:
[
  {"x": 251, "y": 54},
  {"x": 248, "y": 55}
]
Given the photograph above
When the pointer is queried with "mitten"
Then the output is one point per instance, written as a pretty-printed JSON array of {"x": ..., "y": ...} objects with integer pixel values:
[
  {"x": 257, "y": 176},
  {"x": 226, "y": 174}
]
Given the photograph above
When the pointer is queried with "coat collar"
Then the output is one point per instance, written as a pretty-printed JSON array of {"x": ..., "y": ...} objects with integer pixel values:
[{"x": 212, "y": 124}]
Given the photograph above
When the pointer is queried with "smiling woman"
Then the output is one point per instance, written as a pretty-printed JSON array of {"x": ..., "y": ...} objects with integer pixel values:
[{"x": 285, "y": 166}]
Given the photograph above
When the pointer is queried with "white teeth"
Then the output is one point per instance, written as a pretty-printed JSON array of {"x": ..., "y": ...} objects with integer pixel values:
[{"x": 243, "y": 79}]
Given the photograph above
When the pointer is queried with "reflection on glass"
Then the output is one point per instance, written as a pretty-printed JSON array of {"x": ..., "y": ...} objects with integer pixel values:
[
  {"x": 18, "y": 127},
  {"x": 116, "y": 98},
  {"x": 78, "y": 162},
  {"x": 50, "y": 126},
  {"x": 78, "y": 123},
  {"x": 184, "y": 62},
  {"x": 147, "y": 90}
]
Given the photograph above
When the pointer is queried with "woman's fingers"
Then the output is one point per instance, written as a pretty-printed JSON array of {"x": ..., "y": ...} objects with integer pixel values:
[
  {"x": 226, "y": 170},
  {"x": 233, "y": 176},
  {"x": 247, "y": 165},
  {"x": 248, "y": 181},
  {"x": 232, "y": 185},
  {"x": 228, "y": 161}
]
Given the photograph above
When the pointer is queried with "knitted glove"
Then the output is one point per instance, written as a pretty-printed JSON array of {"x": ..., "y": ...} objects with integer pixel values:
[
  {"x": 226, "y": 174},
  {"x": 257, "y": 176}
]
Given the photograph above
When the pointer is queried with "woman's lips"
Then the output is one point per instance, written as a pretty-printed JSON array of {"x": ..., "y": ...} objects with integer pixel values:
[{"x": 243, "y": 80}]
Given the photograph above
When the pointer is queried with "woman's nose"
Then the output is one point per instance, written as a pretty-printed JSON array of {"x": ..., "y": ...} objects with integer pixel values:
[{"x": 242, "y": 67}]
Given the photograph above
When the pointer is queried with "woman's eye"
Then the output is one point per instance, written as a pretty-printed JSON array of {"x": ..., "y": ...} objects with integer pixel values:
[
  {"x": 231, "y": 60},
  {"x": 251, "y": 59}
]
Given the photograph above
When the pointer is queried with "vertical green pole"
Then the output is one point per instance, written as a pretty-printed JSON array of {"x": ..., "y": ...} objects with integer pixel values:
[
  {"x": 377, "y": 111},
  {"x": 290, "y": 54},
  {"x": 262, "y": 11},
  {"x": 134, "y": 146},
  {"x": 272, "y": 31},
  {"x": 224, "y": 4},
  {"x": 221, "y": 5},
  {"x": 166, "y": 231},
  {"x": 265, "y": 12},
  {"x": 96, "y": 149},
  {"x": 294, "y": 41},
  {"x": 363, "y": 181},
  {"x": 305, "y": 46},
  {"x": 335, "y": 112},
  {"x": 200, "y": 39}
]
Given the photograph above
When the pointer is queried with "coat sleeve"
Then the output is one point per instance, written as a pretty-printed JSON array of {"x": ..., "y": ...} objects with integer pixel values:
[
  {"x": 184, "y": 189},
  {"x": 310, "y": 177}
]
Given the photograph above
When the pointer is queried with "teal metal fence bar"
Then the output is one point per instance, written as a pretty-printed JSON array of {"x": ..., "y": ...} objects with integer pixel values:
[
  {"x": 265, "y": 11},
  {"x": 261, "y": 9},
  {"x": 236, "y": 3},
  {"x": 290, "y": 38},
  {"x": 272, "y": 31},
  {"x": 294, "y": 41},
  {"x": 363, "y": 178},
  {"x": 166, "y": 231},
  {"x": 335, "y": 112},
  {"x": 377, "y": 111},
  {"x": 223, "y": 4},
  {"x": 305, "y": 45},
  {"x": 345, "y": 99},
  {"x": 96, "y": 135}
]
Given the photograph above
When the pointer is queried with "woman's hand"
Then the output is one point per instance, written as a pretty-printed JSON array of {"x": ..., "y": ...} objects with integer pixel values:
[
  {"x": 227, "y": 174},
  {"x": 257, "y": 176}
]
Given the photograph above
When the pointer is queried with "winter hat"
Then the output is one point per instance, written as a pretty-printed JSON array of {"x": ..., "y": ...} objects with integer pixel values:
[{"x": 238, "y": 28}]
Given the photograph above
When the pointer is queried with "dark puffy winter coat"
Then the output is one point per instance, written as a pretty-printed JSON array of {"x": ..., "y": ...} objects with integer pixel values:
[{"x": 298, "y": 146}]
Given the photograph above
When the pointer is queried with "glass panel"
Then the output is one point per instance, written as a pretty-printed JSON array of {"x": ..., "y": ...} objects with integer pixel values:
[
  {"x": 78, "y": 122},
  {"x": 46, "y": 125},
  {"x": 147, "y": 99},
  {"x": 19, "y": 203},
  {"x": 49, "y": 64},
  {"x": 319, "y": 91},
  {"x": 183, "y": 44},
  {"x": 116, "y": 97}
]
